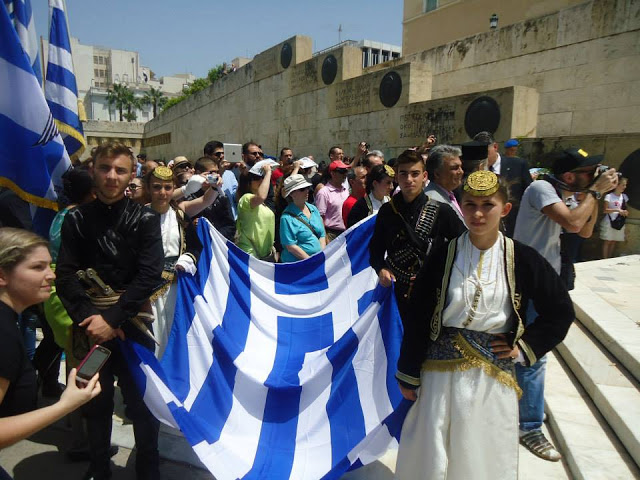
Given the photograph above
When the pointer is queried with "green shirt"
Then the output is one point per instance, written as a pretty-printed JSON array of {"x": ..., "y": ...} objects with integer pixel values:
[{"x": 256, "y": 227}]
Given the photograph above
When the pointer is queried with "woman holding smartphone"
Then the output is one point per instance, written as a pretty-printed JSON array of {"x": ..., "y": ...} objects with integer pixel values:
[
  {"x": 25, "y": 280},
  {"x": 458, "y": 355}
]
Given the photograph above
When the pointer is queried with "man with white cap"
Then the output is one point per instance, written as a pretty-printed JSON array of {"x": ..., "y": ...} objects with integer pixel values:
[{"x": 301, "y": 229}]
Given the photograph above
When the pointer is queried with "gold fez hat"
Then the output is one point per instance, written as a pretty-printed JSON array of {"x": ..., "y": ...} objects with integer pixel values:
[
  {"x": 482, "y": 183},
  {"x": 163, "y": 173}
]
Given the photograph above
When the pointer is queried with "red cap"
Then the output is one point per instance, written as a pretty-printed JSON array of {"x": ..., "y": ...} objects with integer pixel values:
[{"x": 337, "y": 164}]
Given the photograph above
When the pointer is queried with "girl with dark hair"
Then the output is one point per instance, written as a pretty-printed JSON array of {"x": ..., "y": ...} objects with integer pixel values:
[{"x": 379, "y": 185}]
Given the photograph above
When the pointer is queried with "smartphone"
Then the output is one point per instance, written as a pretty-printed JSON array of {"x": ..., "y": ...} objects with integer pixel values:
[{"x": 91, "y": 364}]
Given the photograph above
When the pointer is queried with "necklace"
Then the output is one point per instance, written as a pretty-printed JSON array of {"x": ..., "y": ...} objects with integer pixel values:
[{"x": 483, "y": 281}]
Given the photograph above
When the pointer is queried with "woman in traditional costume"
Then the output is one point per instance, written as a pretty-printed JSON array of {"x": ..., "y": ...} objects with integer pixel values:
[
  {"x": 459, "y": 350},
  {"x": 181, "y": 246},
  {"x": 379, "y": 185}
]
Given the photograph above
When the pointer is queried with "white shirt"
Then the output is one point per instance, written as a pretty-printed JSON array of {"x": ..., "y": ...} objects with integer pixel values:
[
  {"x": 495, "y": 168},
  {"x": 472, "y": 268}
]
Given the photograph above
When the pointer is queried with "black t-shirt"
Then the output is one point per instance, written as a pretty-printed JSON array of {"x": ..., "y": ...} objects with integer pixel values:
[{"x": 15, "y": 366}]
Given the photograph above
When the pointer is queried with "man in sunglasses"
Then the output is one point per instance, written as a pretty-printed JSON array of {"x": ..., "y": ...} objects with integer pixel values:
[
  {"x": 252, "y": 153},
  {"x": 330, "y": 198},
  {"x": 215, "y": 151}
]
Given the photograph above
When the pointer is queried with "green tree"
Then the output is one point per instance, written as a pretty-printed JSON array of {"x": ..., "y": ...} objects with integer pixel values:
[
  {"x": 117, "y": 97},
  {"x": 155, "y": 98},
  {"x": 131, "y": 104},
  {"x": 215, "y": 73}
]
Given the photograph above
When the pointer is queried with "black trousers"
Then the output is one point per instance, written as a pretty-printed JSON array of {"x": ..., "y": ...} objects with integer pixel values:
[{"x": 98, "y": 413}]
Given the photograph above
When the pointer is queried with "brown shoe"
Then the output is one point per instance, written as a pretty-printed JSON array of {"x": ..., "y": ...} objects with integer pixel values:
[{"x": 537, "y": 443}]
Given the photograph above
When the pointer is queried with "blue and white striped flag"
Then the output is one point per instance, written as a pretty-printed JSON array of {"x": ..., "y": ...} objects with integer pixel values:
[
  {"x": 280, "y": 371},
  {"x": 22, "y": 15},
  {"x": 60, "y": 86},
  {"x": 32, "y": 154}
]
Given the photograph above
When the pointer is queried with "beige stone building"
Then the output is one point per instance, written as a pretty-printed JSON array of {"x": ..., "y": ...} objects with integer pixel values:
[
  {"x": 430, "y": 23},
  {"x": 569, "y": 76}
]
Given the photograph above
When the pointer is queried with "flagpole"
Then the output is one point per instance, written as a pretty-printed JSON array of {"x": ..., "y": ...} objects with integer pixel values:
[{"x": 43, "y": 65}]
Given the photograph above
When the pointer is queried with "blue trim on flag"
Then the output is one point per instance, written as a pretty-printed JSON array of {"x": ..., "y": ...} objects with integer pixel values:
[
  {"x": 59, "y": 35},
  {"x": 277, "y": 444},
  {"x": 296, "y": 278},
  {"x": 343, "y": 407}
]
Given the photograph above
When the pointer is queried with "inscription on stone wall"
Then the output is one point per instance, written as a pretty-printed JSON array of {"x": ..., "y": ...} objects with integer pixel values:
[
  {"x": 304, "y": 77},
  {"x": 352, "y": 95},
  {"x": 439, "y": 121},
  {"x": 162, "y": 139}
]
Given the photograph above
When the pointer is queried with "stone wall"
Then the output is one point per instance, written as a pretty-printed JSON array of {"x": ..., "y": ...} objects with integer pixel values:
[{"x": 97, "y": 132}]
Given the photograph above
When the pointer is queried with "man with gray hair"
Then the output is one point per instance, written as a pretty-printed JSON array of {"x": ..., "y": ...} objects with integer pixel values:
[
  {"x": 444, "y": 169},
  {"x": 373, "y": 158}
]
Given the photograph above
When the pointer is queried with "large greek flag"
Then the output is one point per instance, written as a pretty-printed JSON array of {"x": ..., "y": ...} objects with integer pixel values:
[
  {"x": 32, "y": 154},
  {"x": 22, "y": 15},
  {"x": 280, "y": 371},
  {"x": 60, "y": 85}
]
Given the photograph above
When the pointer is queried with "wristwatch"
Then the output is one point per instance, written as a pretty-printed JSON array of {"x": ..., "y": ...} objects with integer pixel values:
[{"x": 597, "y": 195}]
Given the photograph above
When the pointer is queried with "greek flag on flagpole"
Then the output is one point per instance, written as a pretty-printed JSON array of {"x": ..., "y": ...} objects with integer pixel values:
[
  {"x": 32, "y": 154},
  {"x": 25, "y": 25},
  {"x": 60, "y": 86},
  {"x": 280, "y": 370}
]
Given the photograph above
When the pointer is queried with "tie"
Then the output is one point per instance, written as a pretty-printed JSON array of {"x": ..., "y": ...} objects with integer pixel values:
[{"x": 454, "y": 202}]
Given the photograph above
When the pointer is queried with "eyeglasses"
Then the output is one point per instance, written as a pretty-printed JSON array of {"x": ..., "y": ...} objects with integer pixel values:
[
  {"x": 256, "y": 154},
  {"x": 218, "y": 154},
  {"x": 156, "y": 187},
  {"x": 133, "y": 187}
]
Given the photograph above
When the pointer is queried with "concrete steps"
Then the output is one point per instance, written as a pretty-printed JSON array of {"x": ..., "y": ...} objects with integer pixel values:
[
  {"x": 590, "y": 448},
  {"x": 592, "y": 389}
]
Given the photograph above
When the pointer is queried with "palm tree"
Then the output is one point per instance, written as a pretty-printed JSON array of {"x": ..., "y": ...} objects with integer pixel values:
[
  {"x": 156, "y": 98},
  {"x": 118, "y": 96}
]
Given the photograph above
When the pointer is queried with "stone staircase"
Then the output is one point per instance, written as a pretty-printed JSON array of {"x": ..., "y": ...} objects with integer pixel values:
[{"x": 592, "y": 388}]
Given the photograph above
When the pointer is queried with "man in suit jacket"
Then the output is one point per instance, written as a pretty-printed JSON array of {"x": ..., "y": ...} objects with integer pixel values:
[
  {"x": 444, "y": 169},
  {"x": 515, "y": 170}
]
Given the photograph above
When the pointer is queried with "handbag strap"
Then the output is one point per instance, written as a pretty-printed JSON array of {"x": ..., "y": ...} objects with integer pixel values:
[{"x": 305, "y": 222}]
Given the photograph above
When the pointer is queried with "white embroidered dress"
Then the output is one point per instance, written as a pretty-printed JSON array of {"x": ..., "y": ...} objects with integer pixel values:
[{"x": 464, "y": 423}]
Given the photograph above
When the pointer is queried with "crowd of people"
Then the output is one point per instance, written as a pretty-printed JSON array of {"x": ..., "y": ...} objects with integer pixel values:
[{"x": 471, "y": 244}]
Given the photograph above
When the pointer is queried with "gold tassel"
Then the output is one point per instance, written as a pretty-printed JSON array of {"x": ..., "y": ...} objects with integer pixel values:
[{"x": 471, "y": 359}]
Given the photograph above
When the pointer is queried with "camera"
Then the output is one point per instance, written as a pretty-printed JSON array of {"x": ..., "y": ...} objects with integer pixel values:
[
  {"x": 603, "y": 169},
  {"x": 213, "y": 178}
]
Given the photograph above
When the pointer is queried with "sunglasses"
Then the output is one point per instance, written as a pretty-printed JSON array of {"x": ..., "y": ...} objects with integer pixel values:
[
  {"x": 340, "y": 170},
  {"x": 156, "y": 187},
  {"x": 133, "y": 187},
  {"x": 256, "y": 154},
  {"x": 218, "y": 154}
]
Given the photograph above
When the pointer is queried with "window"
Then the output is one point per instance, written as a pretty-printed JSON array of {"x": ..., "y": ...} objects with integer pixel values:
[
  {"x": 375, "y": 57},
  {"x": 365, "y": 58},
  {"x": 430, "y": 5},
  {"x": 95, "y": 59},
  {"x": 385, "y": 55},
  {"x": 96, "y": 73}
]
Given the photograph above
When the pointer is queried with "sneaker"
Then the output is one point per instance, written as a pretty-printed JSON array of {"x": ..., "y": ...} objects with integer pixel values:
[{"x": 537, "y": 443}]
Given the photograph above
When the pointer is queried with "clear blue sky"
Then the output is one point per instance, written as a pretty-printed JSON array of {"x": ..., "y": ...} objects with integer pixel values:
[{"x": 195, "y": 35}]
